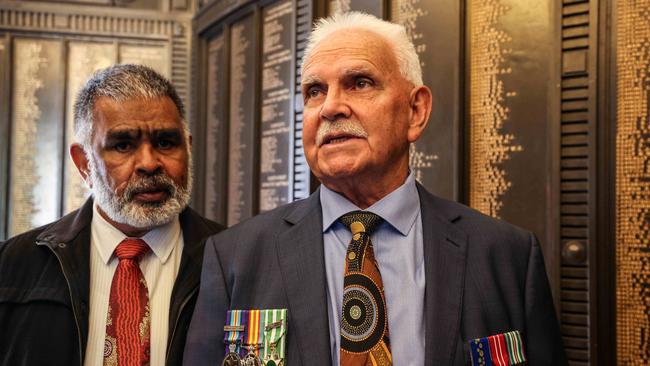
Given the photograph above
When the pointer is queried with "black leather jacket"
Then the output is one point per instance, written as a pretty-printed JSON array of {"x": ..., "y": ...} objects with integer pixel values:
[{"x": 44, "y": 290}]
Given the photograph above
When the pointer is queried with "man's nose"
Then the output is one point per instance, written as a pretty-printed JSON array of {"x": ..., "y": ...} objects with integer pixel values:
[
  {"x": 335, "y": 105},
  {"x": 147, "y": 160}
]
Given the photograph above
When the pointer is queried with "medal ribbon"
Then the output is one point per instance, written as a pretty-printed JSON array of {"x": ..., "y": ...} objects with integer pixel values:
[
  {"x": 275, "y": 326},
  {"x": 255, "y": 331},
  {"x": 235, "y": 329}
]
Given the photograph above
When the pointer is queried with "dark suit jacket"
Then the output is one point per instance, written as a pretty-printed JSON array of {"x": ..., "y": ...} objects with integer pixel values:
[
  {"x": 45, "y": 287},
  {"x": 483, "y": 277}
]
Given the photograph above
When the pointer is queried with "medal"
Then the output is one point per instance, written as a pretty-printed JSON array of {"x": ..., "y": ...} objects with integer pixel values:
[
  {"x": 232, "y": 358},
  {"x": 275, "y": 327},
  {"x": 254, "y": 338},
  {"x": 251, "y": 359},
  {"x": 273, "y": 360},
  {"x": 234, "y": 330}
]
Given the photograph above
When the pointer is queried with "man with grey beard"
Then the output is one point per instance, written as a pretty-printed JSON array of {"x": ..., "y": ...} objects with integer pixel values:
[{"x": 115, "y": 282}]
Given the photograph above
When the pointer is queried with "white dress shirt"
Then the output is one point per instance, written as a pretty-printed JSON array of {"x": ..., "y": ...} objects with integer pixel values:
[{"x": 159, "y": 267}]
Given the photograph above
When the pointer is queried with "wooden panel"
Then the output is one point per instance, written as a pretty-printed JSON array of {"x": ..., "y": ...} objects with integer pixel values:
[
  {"x": 434, "y": 27},
  {"x": 301, "y": 173},
  {"x": 510, "y": 120},
  {"x": 37, "y": 134},
  {"x": 576, "y": 205},
  {"x": 242, "y": 143},
  {"x": 632, "y": 183},
  {"x": 216, "y": 130},
  {"x": 84, "y": 58},
  {"x": 374, "y": 7},
  {"x": 5, "y": 100},
  {"x": 154, "y": 56},
  {"x": 276, "y": 115}
]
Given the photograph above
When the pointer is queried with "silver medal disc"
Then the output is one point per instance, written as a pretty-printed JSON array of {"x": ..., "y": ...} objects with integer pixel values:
[{"x": 232, "y": 359}]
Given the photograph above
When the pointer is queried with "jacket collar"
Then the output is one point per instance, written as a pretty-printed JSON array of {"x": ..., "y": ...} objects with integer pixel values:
[
  {"x": 69, "y": 240},
  {"x": 445, "y": 252},
  {"x": 302, "y": 265}
]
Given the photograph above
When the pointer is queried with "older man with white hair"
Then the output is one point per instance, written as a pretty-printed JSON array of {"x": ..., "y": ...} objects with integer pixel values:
[
  {"x": 115, "y": 282},
  {"x": 372, "y": 269}
]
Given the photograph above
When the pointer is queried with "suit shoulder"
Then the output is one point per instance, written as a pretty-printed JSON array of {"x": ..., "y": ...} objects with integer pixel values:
[
  {"x": 258, "y": 228},
  {"x": 477, "y": 225}
]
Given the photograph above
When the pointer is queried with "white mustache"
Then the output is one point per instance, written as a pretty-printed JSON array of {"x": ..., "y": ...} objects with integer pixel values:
[{"x": 348, "y": 127}]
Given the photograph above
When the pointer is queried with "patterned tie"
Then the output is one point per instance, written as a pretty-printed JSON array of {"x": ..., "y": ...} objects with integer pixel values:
[
  {"x": 364, "y": 324},
  {"x": 128, "y": 320}
]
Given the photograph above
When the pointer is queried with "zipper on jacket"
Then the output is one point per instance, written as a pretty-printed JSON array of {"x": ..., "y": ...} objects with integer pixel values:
[
  {"x": 178, "y": 316},
  {"x": 74, "y": 309}
]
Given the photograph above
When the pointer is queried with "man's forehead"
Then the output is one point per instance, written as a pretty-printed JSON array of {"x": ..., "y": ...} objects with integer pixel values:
[{"x": 350, "y": 49}]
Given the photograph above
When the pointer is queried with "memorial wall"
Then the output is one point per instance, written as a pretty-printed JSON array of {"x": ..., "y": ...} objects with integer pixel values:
[
  {"x": 539, "y": 117},
  {"x": 251, "y": 105},
  {"x": 520, "y": 128}
]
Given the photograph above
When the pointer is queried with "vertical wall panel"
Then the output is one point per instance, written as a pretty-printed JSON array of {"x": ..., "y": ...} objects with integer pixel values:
[
  {"x": 84, "y": 58},
  {"x": 301, "y": 172},
  {"x": 434, "y": 27},
  {"x": 276, "y": 117},
  {"x": 154, "y": 56},
  {"x": 37, "y": 134},
  {"x": 374, "y": 7},
  {"x": 242, "y": 143},
  {"x": 633, "y": 182},
  {"x": 216, "y": 130},
  {"x": 577, "y": 185},
  {"x": 5, "y": 100}
]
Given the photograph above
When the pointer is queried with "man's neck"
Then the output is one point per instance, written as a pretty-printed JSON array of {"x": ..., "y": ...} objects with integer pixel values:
[
  {"x": 128, "y": 230},
  {"x": 364, "y": 193}
]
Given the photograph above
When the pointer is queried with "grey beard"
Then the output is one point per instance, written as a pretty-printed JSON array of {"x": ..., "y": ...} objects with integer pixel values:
[{"x": 123, "y": 209}]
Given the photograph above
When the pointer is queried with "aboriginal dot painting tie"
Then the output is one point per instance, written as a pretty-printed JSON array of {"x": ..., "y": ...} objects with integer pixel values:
[
  {"x": 128, "y": 320},
  {"x": 364, "y": 324}
]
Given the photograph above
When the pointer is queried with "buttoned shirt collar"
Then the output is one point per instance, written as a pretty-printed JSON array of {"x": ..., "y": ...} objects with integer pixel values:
[
  {"x": 161, "y": 239},
  {"x": 399, "y": 208}
]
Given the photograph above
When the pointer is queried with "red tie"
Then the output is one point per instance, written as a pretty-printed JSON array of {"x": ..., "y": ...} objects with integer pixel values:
[{"x": 128, "y": 320}]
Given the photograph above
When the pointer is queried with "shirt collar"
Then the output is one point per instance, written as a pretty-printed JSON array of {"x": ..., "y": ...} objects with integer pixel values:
[
  {"x": 161, "y": 239},
  {"x": 399, "y": 208}
]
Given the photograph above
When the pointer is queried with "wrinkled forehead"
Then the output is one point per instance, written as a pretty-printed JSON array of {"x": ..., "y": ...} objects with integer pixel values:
[{"x": 352, "y": 44}]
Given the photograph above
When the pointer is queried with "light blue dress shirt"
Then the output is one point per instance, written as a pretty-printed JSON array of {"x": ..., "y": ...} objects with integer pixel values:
[{"x": 398, "y": 249}]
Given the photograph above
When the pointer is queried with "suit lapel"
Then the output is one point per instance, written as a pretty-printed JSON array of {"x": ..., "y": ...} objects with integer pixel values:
[
  {"x": 302, "y": 264},
  {"x": 445, "y": 250}
]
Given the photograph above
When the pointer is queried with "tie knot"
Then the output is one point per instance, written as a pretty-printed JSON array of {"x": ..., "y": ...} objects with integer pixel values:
[
  {"x": 131, "y": 248},
  {"x": 361, "y": 221}
]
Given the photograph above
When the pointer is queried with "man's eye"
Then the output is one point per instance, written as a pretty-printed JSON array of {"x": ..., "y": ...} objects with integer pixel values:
[
  {"x": 122, "y": 146},
  {"x": 362, "y": 83},
  {"x": 314, "y": 92},
  {"x": 166, "y": 144}
]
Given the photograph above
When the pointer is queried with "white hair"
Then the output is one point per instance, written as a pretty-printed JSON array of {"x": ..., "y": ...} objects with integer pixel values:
[{"x": 394, "y": 34}]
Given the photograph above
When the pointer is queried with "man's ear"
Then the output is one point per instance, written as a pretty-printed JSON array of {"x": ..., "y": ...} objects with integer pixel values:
[
  {"x": 420, "y": 103},
  {"x": 80, "y": 161}
]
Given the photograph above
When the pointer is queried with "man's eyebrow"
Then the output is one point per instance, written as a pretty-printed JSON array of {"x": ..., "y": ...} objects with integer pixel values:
[
  {"x": 357, "y": 71},
  {"x": 123, "y": 134},
  {"x": 167, "y": 132},
  {"x": 310, "y": 80}
]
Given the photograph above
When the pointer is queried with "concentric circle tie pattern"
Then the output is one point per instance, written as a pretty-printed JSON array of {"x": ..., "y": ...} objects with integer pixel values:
[{"x": 364, "y": 324}]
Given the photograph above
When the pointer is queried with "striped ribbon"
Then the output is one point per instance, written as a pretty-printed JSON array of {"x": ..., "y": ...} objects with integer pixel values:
[
  {"x": 255, "y": 329},
  {"x": 505, "y": 349},
  {"x": 275, "y": 327},
  {"x": 235, "y": 329}
]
